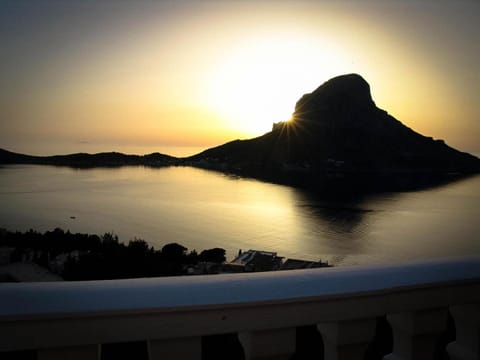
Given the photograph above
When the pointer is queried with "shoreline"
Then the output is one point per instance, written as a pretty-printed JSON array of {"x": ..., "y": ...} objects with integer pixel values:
[{"x": 82, "y": 256}]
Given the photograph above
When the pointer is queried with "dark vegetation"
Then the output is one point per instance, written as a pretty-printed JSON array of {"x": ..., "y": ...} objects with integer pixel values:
[{"x": 93, "y": 257}]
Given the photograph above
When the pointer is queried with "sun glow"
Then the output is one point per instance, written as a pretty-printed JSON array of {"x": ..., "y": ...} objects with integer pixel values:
[{"x": 258, "y": 82}]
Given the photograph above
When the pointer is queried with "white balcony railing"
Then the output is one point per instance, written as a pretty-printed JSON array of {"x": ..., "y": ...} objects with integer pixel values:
[{"x": 70, "y": 320}]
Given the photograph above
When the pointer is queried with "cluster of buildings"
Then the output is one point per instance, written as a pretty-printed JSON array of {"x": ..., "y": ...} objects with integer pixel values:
[{"x": 256, "y": 261}]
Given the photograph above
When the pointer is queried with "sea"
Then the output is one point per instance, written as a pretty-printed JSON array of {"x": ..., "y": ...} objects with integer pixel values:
[{"x": 202, "y": 209}]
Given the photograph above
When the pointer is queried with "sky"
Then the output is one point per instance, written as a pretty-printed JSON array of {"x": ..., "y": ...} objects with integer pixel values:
[{"x": 181, "y": 76}]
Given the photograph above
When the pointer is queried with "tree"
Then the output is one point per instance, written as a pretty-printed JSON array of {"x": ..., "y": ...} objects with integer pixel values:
[
  {"x": 174, "y": 251},
  {"x": 216, "y": 255},
  {"x": 138, "y": 246}
]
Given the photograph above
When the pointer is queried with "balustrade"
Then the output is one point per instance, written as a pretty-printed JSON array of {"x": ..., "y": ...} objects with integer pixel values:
[{"x": 70, "y": 320}]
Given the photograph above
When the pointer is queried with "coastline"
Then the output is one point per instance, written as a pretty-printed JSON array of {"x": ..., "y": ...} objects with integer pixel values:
[{"x": 60, "y": 255}]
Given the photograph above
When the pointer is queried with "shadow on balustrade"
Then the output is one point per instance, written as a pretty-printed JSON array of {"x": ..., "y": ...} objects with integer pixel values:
[
  {"x": 130, "y": 350},
  {"x": 19, "y": 355},
  {"x": 221, "y": 347},
  {"x": 448, "y": 336},
  {"x": 382, "y": 343},
  {"x": 309, "y": 343},
  {"x": 309, "y": 346}
]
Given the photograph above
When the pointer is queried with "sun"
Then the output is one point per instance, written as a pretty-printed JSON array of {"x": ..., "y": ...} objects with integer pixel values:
[
  {"x": 249, "y": 89},
  {"x": 258, "y": 82}
]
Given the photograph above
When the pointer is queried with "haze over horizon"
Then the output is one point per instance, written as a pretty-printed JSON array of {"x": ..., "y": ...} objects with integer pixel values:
[{"x": 179, "y": 77}]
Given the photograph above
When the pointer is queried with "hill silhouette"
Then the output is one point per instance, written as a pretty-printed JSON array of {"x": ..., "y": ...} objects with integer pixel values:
[
  {"x": 337, "y": 135},
  {"x": 337, "y": 131},
  {"x": 84, "y": 160}
]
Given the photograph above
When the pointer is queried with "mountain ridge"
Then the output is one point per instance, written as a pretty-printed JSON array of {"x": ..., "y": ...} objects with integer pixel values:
[
  {"x": 86, "y": 160},
  {"x": 338, "y": 127},
  {"x": 337, "y": 134}
]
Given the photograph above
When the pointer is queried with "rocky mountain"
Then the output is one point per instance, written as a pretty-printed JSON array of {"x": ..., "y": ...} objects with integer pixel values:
[{"x": 337, "y": 131}]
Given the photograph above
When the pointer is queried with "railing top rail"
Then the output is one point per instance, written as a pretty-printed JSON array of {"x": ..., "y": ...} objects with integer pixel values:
[{"x": 18, "y": 299}]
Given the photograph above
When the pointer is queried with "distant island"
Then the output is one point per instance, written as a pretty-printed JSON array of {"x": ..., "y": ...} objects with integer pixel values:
[
  {"x": 84, "y": 160},
  {"x": 337, "y": 135}
]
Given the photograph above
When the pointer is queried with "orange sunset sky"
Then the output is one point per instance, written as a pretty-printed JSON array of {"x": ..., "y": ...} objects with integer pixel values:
[{"x": 181, "y": 76}]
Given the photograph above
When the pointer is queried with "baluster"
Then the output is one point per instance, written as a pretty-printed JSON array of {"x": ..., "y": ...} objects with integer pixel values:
[
  {"x": 189, "y": 348},
  {"x": 274, "y": 344},
  {"x": 347, "y": 340},
  {"x": 86, "y": 352},
  {"x": 415, "y": 333},
  {"x": 467, "y": 324}
]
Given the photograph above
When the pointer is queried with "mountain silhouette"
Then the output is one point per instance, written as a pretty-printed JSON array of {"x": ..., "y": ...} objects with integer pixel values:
[
  {"x": 337, "y": 131},
  {"x": 84, "y": 160},
  {"x": 337, "y": 136}
]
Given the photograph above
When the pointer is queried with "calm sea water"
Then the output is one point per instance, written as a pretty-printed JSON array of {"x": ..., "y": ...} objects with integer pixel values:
[{"x": 201, "y": 209}]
